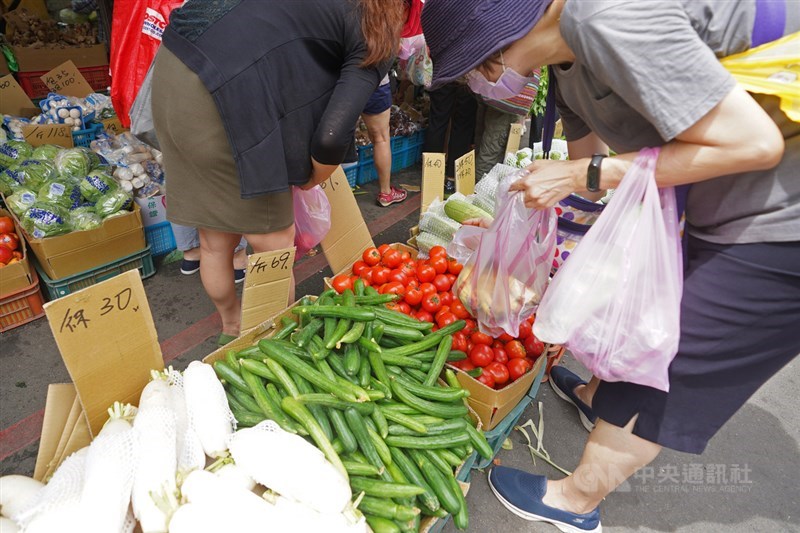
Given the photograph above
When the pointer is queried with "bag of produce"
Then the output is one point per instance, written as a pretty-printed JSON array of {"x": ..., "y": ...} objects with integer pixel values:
[
  {"x": 312, "y": 218},
  {"x": 20, "y": 201},
  {"x": 46, "y": 152},
  {"x": 13, "y": 152},
  {"x": 96, "y": 184},
  {"x": 113, "y": 202},
  {"x": 95, "y": 161},
  {"x": 72, "y": 163},
  {"x": 33, "y": 173},
  {"x": 616, "y": 303},
  {"x": 62, "y": 193},
  {"x": 9, "y": 181},
  {"x": 84, "y": 218},
  {"x": 44, "y": 219}
]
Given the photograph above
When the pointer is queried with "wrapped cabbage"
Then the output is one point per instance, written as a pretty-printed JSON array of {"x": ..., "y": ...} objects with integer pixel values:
[
  {"x": 62, "y": 193},
  {"x": 113, "y": 202},
  {"x": 9, "y": 181},
  {"x": 95, "y": 161},
  {"x": 33, "y": 173},
  {"x": 84, "y": 218},
  {"x": 46, "y": 152},
  {"x": 45, "y": 219},
  {"x": 13, "y": 152},
  {"x": 96, "y": 184},
  {"x": 21, "y": 201},
  {"x": 72, "y": 163}
]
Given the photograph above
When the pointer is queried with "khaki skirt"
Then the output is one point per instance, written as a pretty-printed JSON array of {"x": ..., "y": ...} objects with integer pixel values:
[{"x": 203, "y": 187}]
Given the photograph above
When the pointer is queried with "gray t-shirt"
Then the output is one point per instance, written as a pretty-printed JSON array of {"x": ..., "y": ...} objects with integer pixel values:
[{"x": 646, "y": 71}]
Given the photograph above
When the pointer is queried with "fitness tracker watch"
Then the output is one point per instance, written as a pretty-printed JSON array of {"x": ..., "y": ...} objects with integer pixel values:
[{"x": 593, "y": 173}]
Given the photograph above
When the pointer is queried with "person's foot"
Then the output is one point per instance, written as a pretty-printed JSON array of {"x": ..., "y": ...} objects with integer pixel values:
[
  {"x": 394, "y": 196},
  {"x": 224, "y": 339},
  {"x": 522, "y": 493},
  {"x": 189, "y": 267},
  {"x": 563, "y": 382},
  {"x": 238, "y": 275},
  {"x": 449, "y": 187}
]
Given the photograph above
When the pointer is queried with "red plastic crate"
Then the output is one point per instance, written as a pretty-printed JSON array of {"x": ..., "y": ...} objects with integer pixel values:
[
  {"x": 34, "y": 87},
  {"x": 22, "y": 306}
]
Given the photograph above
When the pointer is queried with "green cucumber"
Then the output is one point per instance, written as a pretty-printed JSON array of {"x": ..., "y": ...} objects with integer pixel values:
[
  {"x": 438, "y": 482},
  {"x": 284, "y": 378},
  {"x": 444, "y": 440},
  {"x": 326, "y": 400},
  {"x": 479, "y": 441},
  {"x": 379, "y": 524},
  {"x": 380, "y": 422},
  {"x": 353, "y": 333},
  {"x": 319, "y": 413},
  {"x": 246, "y": 399},
  {"x": 384, "y": 489},
  {"x": 380, "y": 445},
  {"x": 455, "y": 424},
  {"x": 428, "y": 499},
  {"x": 230, "y": 376},
  {"x": 345, "y": 436},
  {"x": 364, "y": 371},
  {"x": 352, "y": 358},
  {"x": 259, "y": 369},
  {"x": 402, "y": 333},
  {"x": 287, "y": 327},
  {"x": 359, "y": 314},
  {"x": 247, "y": 419},
  {"x": 439, "y": 394},
  {"x": 461, "y": 518},
  {"x": 403, "y": 421},
  {"x": 386, "y": 508},
  {"x": 364, "y": 441},
  {"x": 428, "y": 342},
  {"x": 396, "y": 318},
  {"x": 359, "y": 469},
  {"x": 428, "y": 407},
  {"x": 442, "y": 352}
]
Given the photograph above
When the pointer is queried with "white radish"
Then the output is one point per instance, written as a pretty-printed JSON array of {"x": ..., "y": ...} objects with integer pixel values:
[
  {"x": 7, "y": 525},
  {"x": 189, "y": 450},
  {"x": 15, "y": 492},
  {"x": 236, "y": 476},
  {"x": 208, "y": 409},
  {"x": 157, "y": 464},
  {"x": 137, "y": 169},
  {"x": 291, "y": 466},
  {"x": 109, "y": 473},
  {"x": 123, "y": 174},
  {"x": 307, "y": 519}
]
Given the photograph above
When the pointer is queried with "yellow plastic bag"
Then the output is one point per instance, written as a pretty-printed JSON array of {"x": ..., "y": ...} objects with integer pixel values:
[{"x": 772, "y": 68}]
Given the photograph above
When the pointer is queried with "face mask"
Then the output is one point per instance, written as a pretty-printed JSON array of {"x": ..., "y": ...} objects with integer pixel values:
[{"x": 509, "y": 84}]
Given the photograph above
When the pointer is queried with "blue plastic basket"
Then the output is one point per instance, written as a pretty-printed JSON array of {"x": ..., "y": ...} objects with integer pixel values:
[
  {"x": 160, "y": 238},
  {"x": 351, "y": 172},
  {"x": 406, "y": 157},
  {"x": 85, "y": 137}
]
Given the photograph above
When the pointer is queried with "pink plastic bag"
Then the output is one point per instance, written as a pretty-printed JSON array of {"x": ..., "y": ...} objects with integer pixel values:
[
  {"x": 616, "y": 303},
  {"x": 312, "y": 218},
  {"x": 504, "y": 279}
]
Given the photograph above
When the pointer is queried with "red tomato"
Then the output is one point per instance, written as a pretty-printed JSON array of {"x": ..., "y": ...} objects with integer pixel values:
[
  {"x": 341, "y": 283},
  {"x": 371, "y": 256},
  {"x": 443, "y": 309},
  {"x": 441, "y": 283},
  {"x": 459, "y": 342},
  {"x": 398, "y": 276},
  {"x": 425, "y": 272},
  {"x": 6, "y": 225},
  {"x": 533, "y": 346},
  {"x": 438, "y": 251},
  {"x": 382, "y": 248},
  {"x": 465, "y": 365},
  {"x": 431, "y": 302},
  {"x": 499, "y": 372},
  {"x": 487, "y": 379},
  {"x": 423, "y": 316},
  {"x": 409, "y": 268},
  {"x": 359, "y": 267},
  {"x": 481, "y": 355},
  {"x": 5, "y": 255},
  {"x": 9, "y": 240},
  {"x": 505, "y": 337},
  {"x": 412, "y": 283},
  {"x": 380, "y": 275},
  {"x": 366, "y": 275},
  {"x": 481, "y": 338},
  {"x": 500, "y": 355},
  {"x": 446, "y": 298},
  {"x": 446, "y": 319},
  {"x": 517, "y": 368},
  {"x": 394, "y": 287},
  {"x": 458, "y": 309},
  {"x": 394, "y": 306},
  {"x": 497, "y": 343},
  {"x": 427, "y": 288},
  {"x": 403, "y": 307},
  {"x": 515, "y": 350},
  {"x": 451, "y": 278},
  {"x": 470, "y": 346},
  {"x": 439, "y": 264},
  {"x": 392, "y": 258},
  {"x": 413, "y": 296},
  {"x": 470, "y": 327},
  {"x": 405, "y": 256},
  {"x": 454, "y": 267},
  {"x": 525, "y": 330}
]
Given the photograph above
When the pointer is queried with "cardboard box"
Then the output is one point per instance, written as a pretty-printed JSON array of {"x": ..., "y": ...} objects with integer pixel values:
[
  {"x": 154, "y": 209},
  {"x": 491, "y": 405},
  {"x": 46, "y": 58},
  {"x": 14, "y": 278},
  {"x": 77, "y": 252},
  {"x": 349, "y": 235}
]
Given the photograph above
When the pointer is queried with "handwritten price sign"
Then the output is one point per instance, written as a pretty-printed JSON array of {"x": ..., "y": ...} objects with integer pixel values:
[
  {"x": 66, "y": 79},
  {"x": 465, "y": 173},
  {"x": 266, "y": 286},
  {"x": 113, "y": 125},
  {"x": 432, "y": 179},
  {"x": 13, "y": 100},
  {"x": 108, "y": 341},
  {"x": 59, "y": 134}
]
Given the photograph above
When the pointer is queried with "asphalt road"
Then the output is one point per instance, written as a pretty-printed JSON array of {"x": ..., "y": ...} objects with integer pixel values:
[{"x": 747, "y": 480}]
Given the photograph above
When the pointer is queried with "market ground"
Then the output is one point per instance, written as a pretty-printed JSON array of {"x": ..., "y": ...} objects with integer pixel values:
[{"x": 746, "y": 481}]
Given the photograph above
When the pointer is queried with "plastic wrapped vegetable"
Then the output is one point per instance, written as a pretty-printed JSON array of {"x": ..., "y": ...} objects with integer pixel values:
[
  {"x": 84, "y": 219},
  {"x": 13, "y": 152},
  {"x": 64, "y": 194},
  {"x": 97, "y": 183},
  {"x": 9, "y": 181},
  {"x": 45, "y": 219},
  {"x": 33, "y": 173},
  {"x": 21, "y": 201},
  {"x": 72, "y": 163},
  {"x": 113, "y": 202},
  {"x": 94, "y": 160},
  {"x": 46, "y": 152}
]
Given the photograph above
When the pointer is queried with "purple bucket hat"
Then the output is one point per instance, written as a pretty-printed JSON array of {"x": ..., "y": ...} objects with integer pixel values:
[{"x": 462, "y": 34}]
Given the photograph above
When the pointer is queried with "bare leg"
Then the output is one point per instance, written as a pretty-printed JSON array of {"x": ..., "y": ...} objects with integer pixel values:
[
  {"x": 611, "y": 455},
  {"x": 378, "y": 129},
  {"x": 586, "y": 392},
  {"x": 192, "y": 254},
  {"x": 277, "y": 240},
  {"x": 216, "y": 272}
]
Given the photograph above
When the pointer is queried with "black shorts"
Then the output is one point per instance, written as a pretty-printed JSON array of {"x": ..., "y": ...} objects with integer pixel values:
[
  {"x": 380, "y": 101},
  {"x": 740, "y": 324}
]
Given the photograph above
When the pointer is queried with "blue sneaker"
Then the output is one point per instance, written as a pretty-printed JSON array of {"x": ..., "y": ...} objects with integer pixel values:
[
  {"x": 563, "y": 383},
  {"x": 522, "y": 494},
  {"x": 238, "y": 275},
  {"x": 189, "y": 267}
]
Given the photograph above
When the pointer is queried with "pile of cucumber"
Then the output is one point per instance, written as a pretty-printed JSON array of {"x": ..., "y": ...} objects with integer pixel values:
[{"x": 363, "y": 383}]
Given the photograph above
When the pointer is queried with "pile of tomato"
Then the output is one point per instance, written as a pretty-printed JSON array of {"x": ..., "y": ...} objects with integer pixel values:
[
  {"x": 424, "y": 290},
  {"x": 9, "y": 243}
]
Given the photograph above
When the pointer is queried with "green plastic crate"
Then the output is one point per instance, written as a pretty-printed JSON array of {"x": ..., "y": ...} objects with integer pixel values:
[{"x": 143, "y": 261}]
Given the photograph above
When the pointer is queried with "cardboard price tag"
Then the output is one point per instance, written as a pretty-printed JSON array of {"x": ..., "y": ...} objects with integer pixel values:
[
  {"x": 465, "y": 173},
  {"x": 514, "y": 137},
  {"x": 13, "y": 100},
  {"x": 113, "y": 125},
  {"x": 108, "y": 342},
  {"x": 39, "y": 134},
  {"x": 267, "y": 284},
  {"x": 66, "y": 79},
  {"x": 432, "y": 179},
  {"x": 349, "y": 235}
]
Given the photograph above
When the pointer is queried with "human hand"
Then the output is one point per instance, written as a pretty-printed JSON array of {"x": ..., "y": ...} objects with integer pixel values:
[
  {"x": 319, "y": 173},
  {"x": 479, "y": 222},
  {"x": 549, "y": 182}
]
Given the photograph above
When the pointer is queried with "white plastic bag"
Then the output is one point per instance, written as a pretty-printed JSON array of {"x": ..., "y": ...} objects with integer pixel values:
[
  {"x": 312, "y": 218},
  {"x": 616, "y": 303}
]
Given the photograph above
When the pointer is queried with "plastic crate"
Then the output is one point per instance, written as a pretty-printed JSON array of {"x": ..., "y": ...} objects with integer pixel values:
[
  {"x": 22, "y": 306},
  {"x": 500, "y": 433},
  {"x": 85, "y": 137},
  {"x": 160, "y": 238},
  {"x": 365, "y": 153},
  {"x": 406, "y": 157},
  {"x": 351, "y": 172},
  {"x": 34, "y": 87},
  {"x": 143, "y": 261},
  {"x": 367, "y": 172}
]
